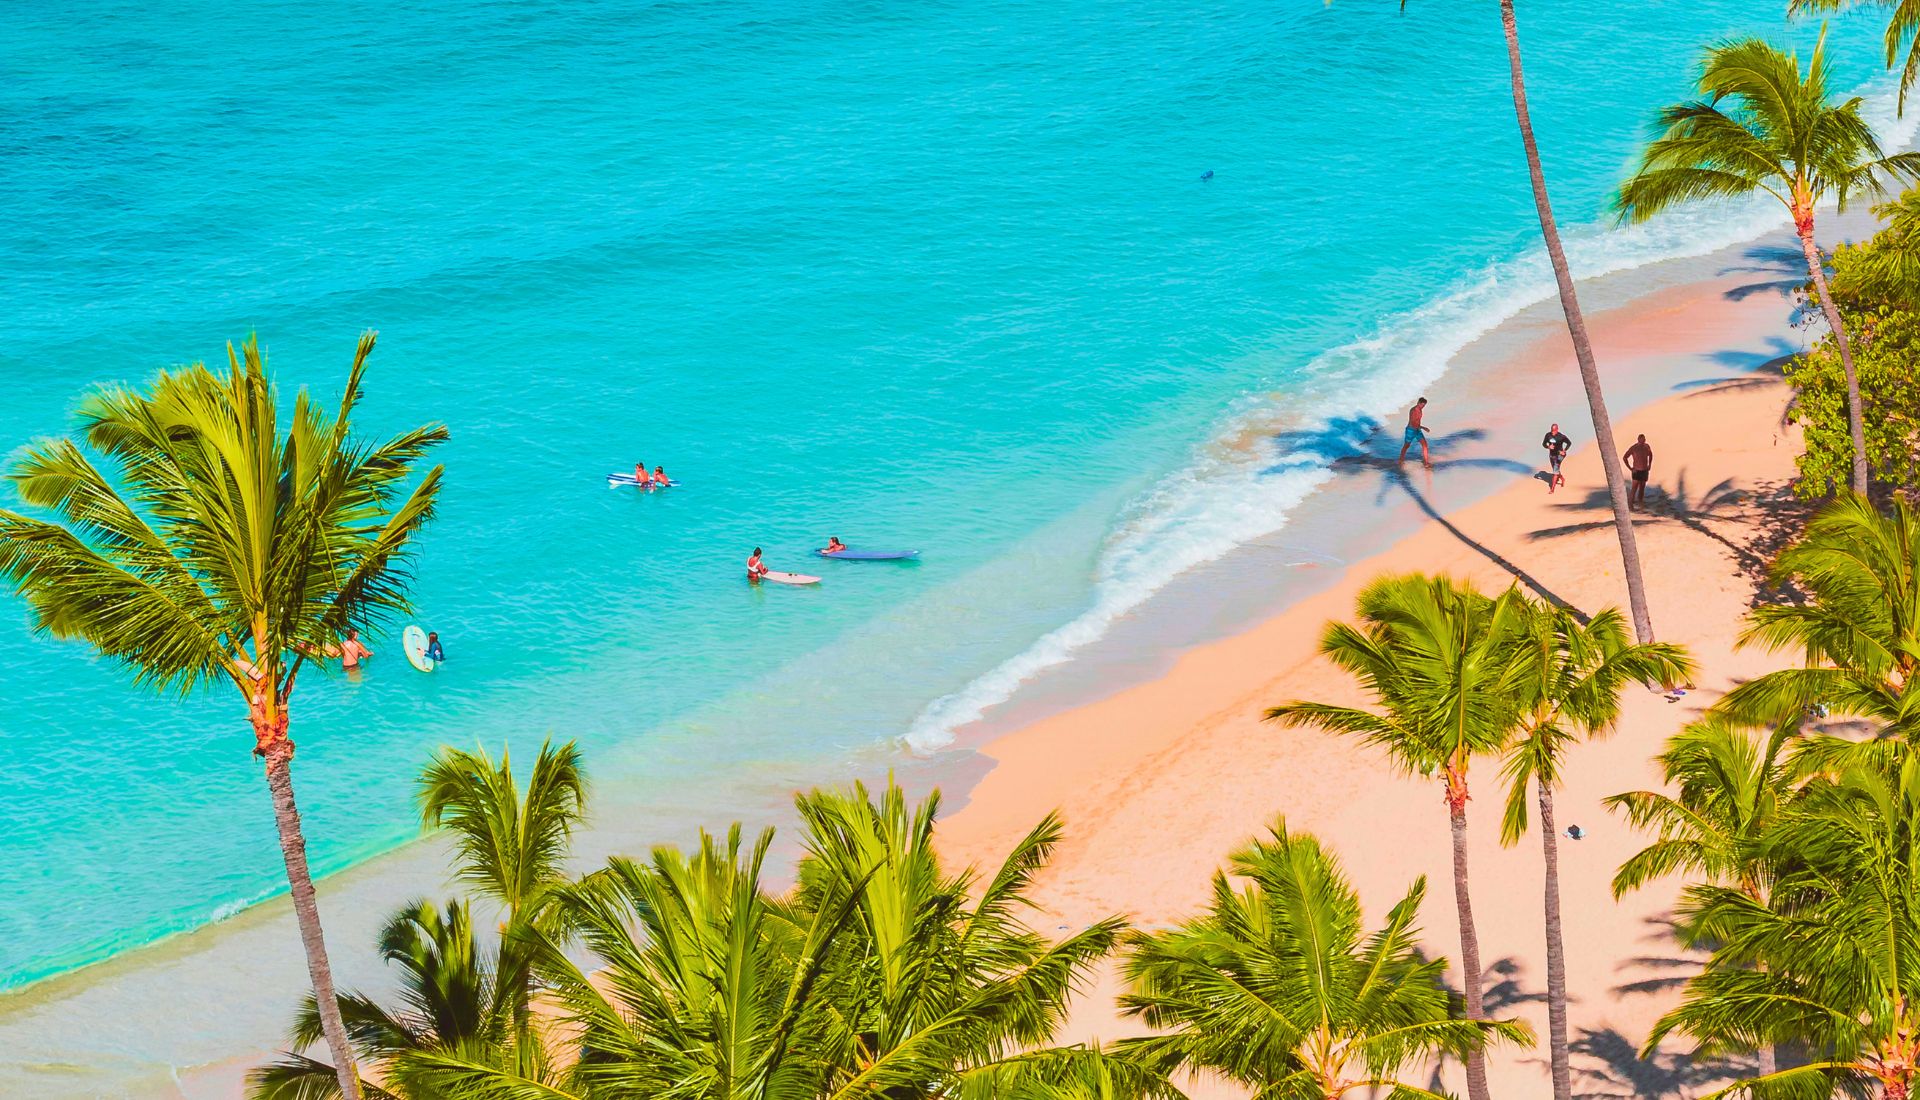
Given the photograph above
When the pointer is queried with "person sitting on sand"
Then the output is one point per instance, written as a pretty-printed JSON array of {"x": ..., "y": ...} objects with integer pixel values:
[
  {"x": 434, "y": 652},
  {"x": 1557, "y": 445},
  {"x": 834, "y": 545},
  {"x": 660, "y": 477},
  {"x": 352, "y": 652},
  {"x": 755, "y": 567},
  {"x": 1639, "y": 460},
  {"x": 1416, "y": 433}
]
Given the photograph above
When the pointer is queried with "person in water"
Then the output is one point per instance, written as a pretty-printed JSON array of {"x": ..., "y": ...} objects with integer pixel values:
[
  {"x": 434, "y": 652},
  {"x": 660, "y": 477},
  {"x": 640, "y": 474},
  {"x": 1639, "y": 460},
  {"x": 1557, "y": 445},
  {"x": 834, "y": 545},
  {"x": 1416, "y": 433},
  {"x": 352, "y": 652},
  {"x": 755, "y": 567}
]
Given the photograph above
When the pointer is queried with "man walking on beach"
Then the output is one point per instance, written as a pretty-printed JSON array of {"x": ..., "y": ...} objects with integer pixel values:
[
  {"x": 1639, "y": 460},
  {"x": 1416, "y": 433},
  {"x": 1557, "y": 445}
]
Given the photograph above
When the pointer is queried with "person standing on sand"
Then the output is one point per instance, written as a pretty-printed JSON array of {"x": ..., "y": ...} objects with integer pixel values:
[
  {"x": 1557, "y": 445},
  {"x": 1639, "y": 460},
  {"x": 1416, "y": 433}
]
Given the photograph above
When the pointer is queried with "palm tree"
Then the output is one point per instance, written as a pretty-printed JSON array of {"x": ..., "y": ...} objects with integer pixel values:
[
  {"x": 455, "y": 1004},
  {"x": 1438, "y": 659},
  {"x": 1902, "y": 24},
  {"x": 1278, "y": 986},
  {"x": 1574, "y": 674},
  {"x": 710, "y": 988},
  {"x": 1827, "y": 961},
  {"x": 216, "y": 546},
  {"x": 933, "y": 968},
  {"x": 1577, "y": 332},
  {"x": 1763, "y": 126},
  {"x": 1859, "y": 629},
  {"x": 511, "y": 848},
  {"x": 1732, "y": 786}
]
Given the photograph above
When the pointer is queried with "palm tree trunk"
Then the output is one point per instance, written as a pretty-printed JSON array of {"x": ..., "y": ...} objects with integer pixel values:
[
  {"x": 1856, "y": 422},
  {"x": 1470, "y": 974},
  {"x": 293, "y": 849},
  {"x": 1556, "y": 953},
  {"x": 1582, "y": 347}
]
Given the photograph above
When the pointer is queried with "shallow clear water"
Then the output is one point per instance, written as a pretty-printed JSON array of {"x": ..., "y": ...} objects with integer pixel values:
[{"x": 934, "y": 274}]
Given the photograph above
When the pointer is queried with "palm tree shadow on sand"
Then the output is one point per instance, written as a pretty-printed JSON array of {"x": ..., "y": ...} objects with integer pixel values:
[
  {"x": 1360, "y": 446},
  {"x": 1761, "y": 520}
]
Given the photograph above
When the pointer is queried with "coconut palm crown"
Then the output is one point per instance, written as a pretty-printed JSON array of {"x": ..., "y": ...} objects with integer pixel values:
[
  {"x": 202, "y": 535},
  {"x": 1764, "y": 126}
]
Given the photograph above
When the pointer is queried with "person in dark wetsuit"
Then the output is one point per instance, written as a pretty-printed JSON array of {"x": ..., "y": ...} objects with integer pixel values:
[{"x": 1557, "y": 445}]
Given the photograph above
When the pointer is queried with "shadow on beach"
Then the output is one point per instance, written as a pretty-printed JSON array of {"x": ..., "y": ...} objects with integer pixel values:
[
  {"x": 1361, "y": 446},
  {"x": 1753, "y": 523}
]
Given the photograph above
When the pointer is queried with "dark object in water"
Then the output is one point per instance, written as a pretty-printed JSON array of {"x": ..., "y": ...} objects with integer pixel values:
[{"x": 1207, "y": 175}]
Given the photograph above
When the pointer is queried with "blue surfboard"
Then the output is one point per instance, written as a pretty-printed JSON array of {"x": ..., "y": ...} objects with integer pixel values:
[{"x": 868, "y": 555}]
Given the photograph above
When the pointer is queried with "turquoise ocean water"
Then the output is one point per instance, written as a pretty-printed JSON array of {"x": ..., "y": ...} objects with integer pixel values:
[{"x": 929, "y": 274}]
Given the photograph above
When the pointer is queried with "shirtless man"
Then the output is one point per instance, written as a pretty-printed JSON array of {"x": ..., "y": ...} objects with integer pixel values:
[
  {"x": 352, "y": 652},
  {"x": 1639, "y": 460},
  {"x": 1416, "y": 433},
  {"x": 640, "y": 474}
]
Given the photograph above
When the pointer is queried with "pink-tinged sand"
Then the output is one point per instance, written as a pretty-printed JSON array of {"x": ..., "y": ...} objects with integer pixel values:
[{"x": 1159, "y": 782}]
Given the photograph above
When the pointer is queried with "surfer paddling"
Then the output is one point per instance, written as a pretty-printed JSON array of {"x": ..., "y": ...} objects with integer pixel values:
[
  {"x": 1416, "y": 433},
  {"x": 834, "y": 545}
]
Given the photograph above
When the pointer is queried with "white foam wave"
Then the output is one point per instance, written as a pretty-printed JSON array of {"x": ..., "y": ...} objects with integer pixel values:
[{"x": 1230, "y": 495}]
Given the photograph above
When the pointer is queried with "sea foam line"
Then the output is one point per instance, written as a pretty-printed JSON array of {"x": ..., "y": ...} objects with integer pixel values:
[{"x": 1229, "y": 496}]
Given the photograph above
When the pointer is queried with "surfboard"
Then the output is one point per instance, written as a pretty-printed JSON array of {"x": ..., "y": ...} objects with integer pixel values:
[
  {"x": 789, "y": 578},
  {"x": 616, "y": 481},
  {"x": 414, "y": 641},
  {"x": 868, "y": 555}
]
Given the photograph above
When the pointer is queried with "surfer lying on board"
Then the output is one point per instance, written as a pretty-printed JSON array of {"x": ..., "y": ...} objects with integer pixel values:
[
  {"x": 755, "y": 567},
  {"x": 660, "y": 477},
  {"x": 834, "y": 545}
]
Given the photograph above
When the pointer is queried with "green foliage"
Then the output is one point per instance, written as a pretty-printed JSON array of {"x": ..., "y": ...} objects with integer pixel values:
[
  {"x": 1279, "y": 987},
  {"x": 1858, "y": 630},
  {"x": 934, "y": 971},
  {"x": 455, "y": 1007},
  {"x": 1828, "y": 961},
  {"x": 1761, "y": 125},
  {"x": 1731, "y": 784},
  {"x": 511, "y": 848},
  {"x": 1437, "y": 657},
  {"x": 199, "y": 536},
  {"x": 1572, "y": 675},
  {"x": 1873, "y": 286}
]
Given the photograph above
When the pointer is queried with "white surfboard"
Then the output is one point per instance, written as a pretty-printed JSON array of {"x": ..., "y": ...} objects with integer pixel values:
[
  {"x": 789, "y": 578},
  {"x": 414, "y": 641}
]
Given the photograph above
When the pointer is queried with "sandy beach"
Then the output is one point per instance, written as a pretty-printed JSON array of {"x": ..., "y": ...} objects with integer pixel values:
[{"x": 1158, "y": 783}]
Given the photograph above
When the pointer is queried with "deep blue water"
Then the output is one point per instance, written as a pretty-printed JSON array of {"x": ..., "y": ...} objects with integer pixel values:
[{"x": 942, "y": 275}]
